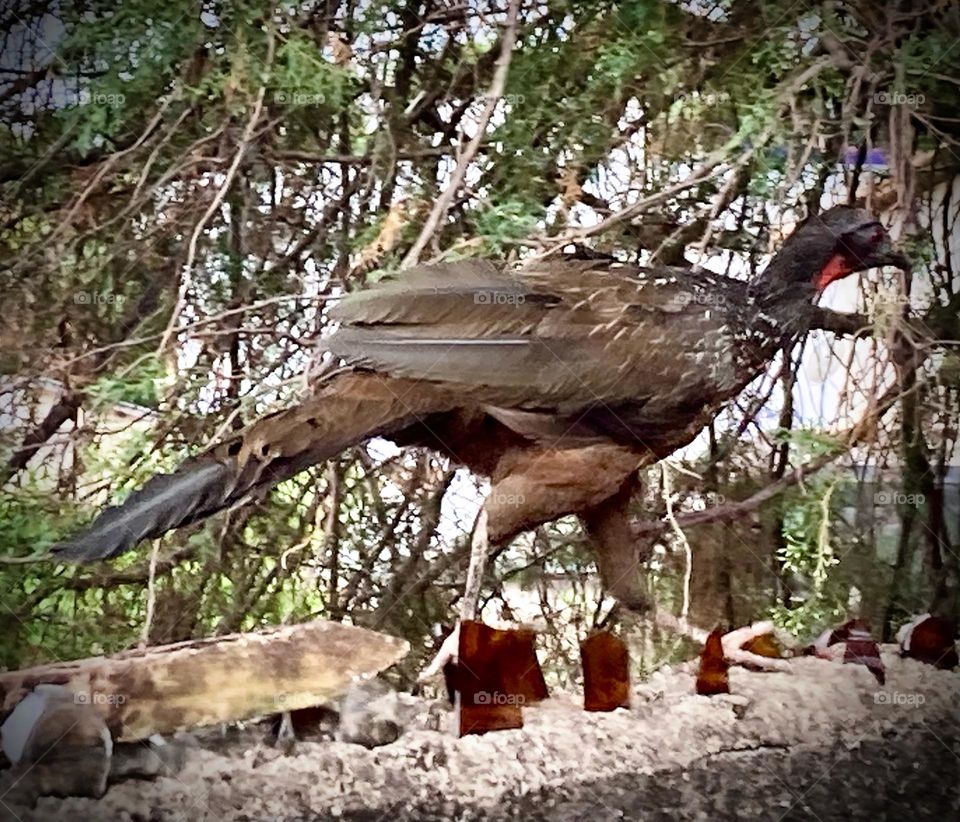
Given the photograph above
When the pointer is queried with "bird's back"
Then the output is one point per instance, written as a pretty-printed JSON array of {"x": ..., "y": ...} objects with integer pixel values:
[{"x": 603, "y": 346}]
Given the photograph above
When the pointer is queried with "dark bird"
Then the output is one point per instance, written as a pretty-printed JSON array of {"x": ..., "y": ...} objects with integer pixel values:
[{"x": 558, "y": 382}]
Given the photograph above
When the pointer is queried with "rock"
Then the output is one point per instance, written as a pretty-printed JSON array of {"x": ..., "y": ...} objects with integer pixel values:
[
  {"x": 370, "y": 715},
  {"x": 151, "y": 758},
  {"x": 738, "y": 704},
  {"x": 59, "y": 746}
]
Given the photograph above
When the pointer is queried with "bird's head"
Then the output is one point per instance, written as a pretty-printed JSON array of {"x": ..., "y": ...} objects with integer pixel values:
[
  {"x": 824, "y": 248},
  {"x": 854, "y": 240}
]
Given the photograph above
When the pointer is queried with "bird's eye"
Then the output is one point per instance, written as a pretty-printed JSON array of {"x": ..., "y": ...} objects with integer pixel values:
[{"x": 865, "y": 240}]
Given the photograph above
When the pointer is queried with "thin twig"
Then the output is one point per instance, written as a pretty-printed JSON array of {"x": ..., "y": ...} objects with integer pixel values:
[
  {"x": 680, "y": 535},
  {"x": 492, "y": 98},
  {"x": 151, "y": 594},
  {"x": 111, "y": 161},
  {"x": 238, "y": 157},
  {"x": 735, "y": 510}
]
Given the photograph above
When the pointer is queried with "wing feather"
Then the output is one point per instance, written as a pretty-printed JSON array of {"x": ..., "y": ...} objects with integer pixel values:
[{"x": 548, "y": 337}]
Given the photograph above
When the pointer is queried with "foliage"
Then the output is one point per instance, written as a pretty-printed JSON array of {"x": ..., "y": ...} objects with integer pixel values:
[
  {"x": 225, "y": 170},
  {"x": 808, "y": 553}
]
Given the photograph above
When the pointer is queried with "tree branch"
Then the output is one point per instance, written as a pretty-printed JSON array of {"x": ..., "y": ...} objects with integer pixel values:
[
  {"x": 493, "y": 95},
  {"x": 732, "y": 511}
]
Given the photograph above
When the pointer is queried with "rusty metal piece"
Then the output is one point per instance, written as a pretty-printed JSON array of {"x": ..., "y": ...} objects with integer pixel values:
[
  {"x": 862, "y": 649},
  {"x": 519, "y": 664},
  {"x": 930, "y": 639},
  {"x": 853, "y": 643}
]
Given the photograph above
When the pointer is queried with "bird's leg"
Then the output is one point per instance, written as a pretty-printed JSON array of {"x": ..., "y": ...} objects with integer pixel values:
[
  {"x": 479, "y": 550},
  {"x": 286, "y": 736},
  {"x": 619, "y": 559},
  {"x": 621, "y": 569},
  {"x": 538, "y": 486},
  {"x": 532, "y": 487}
]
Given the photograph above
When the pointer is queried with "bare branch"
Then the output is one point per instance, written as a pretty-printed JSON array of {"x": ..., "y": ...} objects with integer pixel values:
[{"x": 492, "y": 97}]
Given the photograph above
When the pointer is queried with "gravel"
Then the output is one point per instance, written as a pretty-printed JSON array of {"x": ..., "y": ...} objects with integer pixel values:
[{"x": 822, "y": 741}]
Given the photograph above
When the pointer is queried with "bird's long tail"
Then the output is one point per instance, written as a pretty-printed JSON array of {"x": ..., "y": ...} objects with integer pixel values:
[{"x": 344, "y": 412}]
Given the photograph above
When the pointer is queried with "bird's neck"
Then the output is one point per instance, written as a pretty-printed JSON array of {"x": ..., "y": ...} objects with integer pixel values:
[
  {"x": 775, "y": 320},
  {"x": 780, "y": 299}
]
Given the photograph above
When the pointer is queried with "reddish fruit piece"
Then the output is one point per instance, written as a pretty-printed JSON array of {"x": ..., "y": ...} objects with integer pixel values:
[
  {"x": 930, "y": 639},
  {"x": 495, "y": 674},
  {"x": 713, "y": 675},
  {"x": 606, "y": 673}
]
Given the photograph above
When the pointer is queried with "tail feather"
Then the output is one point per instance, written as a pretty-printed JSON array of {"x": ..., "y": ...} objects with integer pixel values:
[
  {"x": 349, "y": 410},
  {"x": 165, "y": 502}
]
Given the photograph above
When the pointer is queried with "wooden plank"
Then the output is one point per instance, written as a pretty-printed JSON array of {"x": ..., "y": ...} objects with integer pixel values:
[{"x": 219, "y": 679}]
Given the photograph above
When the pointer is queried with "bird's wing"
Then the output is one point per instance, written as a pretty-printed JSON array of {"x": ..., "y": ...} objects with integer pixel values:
[{"x": 556, "y": 336}]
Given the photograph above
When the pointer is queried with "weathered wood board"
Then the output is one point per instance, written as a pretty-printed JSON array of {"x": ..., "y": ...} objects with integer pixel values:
[{"x": 220, "y": 679}]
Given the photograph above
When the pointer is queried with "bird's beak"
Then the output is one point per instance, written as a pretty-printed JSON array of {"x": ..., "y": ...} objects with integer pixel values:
[
  {"x": 870, "y": 246},
  {"x": 886, "y": 254},
  {"x": 898, "y": 260}
]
